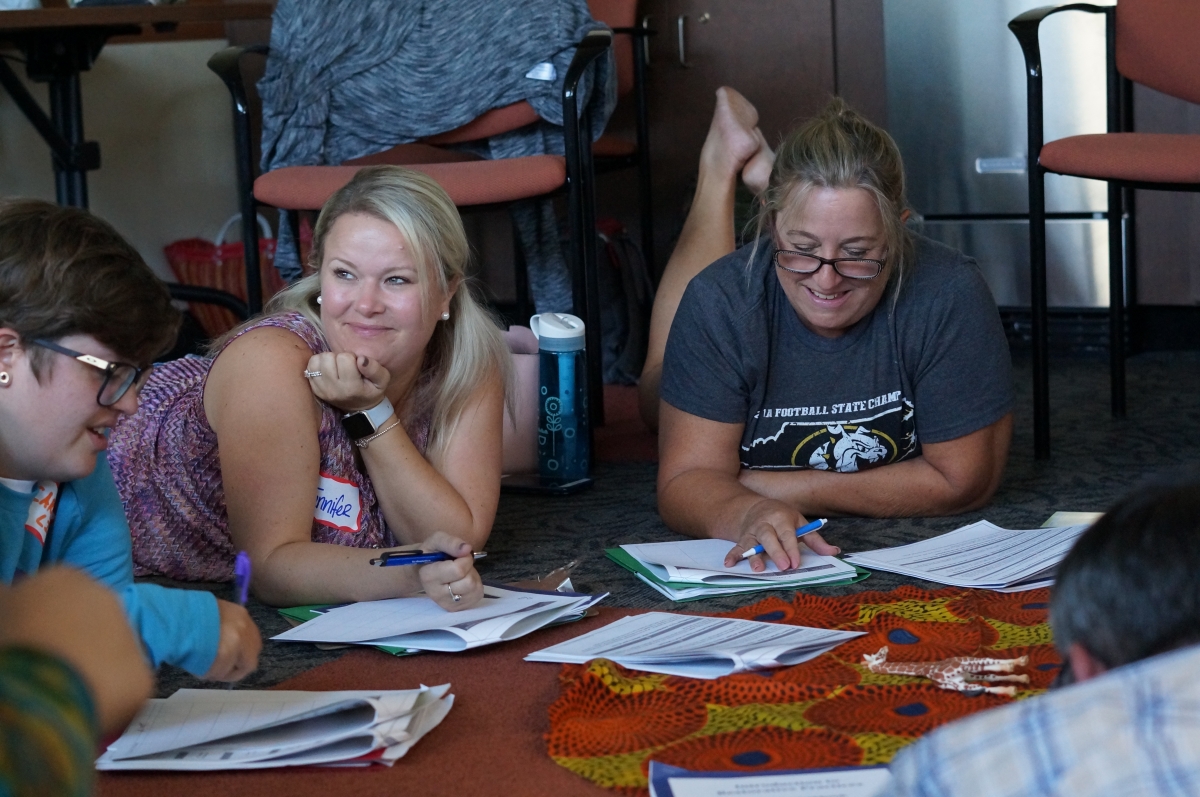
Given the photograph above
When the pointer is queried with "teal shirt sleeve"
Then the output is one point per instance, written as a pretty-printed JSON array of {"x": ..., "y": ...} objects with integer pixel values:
[{"x": 177, "y": 626}]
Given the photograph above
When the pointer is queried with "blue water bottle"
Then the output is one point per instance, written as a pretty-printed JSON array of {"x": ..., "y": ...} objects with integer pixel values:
[{"x": 564, "y": 445}]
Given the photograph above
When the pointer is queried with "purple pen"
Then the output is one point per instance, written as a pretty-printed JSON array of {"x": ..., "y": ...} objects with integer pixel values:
[
  {"x": 241, "y": 584},
  {"x": 241, "y": 578}
]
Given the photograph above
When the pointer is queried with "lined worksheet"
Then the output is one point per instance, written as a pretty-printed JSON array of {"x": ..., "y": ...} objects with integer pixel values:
[
  {"x": 980, "y": 555},
  {"x": 695, "y": 646},
  {"x": 381, "y": 622},
  {"x": 709, "y": 556},
  {"x": 219, "y": 729}
]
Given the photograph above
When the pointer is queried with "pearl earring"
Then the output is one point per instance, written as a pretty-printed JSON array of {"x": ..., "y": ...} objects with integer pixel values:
[
  {"x": 4, "y": 378},
  {"x": 446, "y": 316},
  {"x": 318, "y": 298}
]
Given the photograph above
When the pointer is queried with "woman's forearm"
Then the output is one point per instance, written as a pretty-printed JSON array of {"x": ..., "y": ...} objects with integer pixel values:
[
  {"x": 705, "y": 503},
  {"x": 906, "y": 489},
  {"x": 948, "y": 478},
  {"x": 300, "y": 573},
  {"x": 416, "y": 500}
]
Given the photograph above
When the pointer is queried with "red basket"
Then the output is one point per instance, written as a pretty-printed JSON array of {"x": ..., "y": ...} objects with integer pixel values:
[{"x": 215, "y": 264}]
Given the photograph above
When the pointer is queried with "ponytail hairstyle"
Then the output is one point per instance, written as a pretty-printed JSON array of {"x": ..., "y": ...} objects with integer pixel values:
[
  {"x": 839, "y": 148},
  {"x": 464, "y": 351}
]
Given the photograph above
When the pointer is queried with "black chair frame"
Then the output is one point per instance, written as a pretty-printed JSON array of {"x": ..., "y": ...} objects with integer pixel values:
[
  {"x": 641, "y": 158},
  {"x": 580, "y": 189},
  {"x": 1122, "y": 261}
]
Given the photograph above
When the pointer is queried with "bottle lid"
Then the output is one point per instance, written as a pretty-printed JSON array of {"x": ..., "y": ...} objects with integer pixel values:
[{"x": 558, "y": 331}]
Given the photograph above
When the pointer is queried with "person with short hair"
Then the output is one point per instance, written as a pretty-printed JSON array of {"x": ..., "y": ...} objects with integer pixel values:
[
  {"x": 839, "y": 364},
  {"x": 362, "y": 411},
  {"x": 1125, "y": 612},
  {"x": 81, "y": 319}
]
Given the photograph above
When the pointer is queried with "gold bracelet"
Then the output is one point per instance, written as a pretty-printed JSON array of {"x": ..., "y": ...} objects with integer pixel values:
[{"x": 366, "y": 441}]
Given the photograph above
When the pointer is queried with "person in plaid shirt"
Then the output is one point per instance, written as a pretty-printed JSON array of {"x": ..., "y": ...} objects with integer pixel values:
[{"x": 1126, "y": 617}]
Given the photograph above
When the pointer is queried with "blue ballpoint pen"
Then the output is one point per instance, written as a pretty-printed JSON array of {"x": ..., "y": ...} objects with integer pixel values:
[
  {"x": 394, "y": 558},
  {"x": 241, "y": 585},
  {"x": 800, "y": 532}
]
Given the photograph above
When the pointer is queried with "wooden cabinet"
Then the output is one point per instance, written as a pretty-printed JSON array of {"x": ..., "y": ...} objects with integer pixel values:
[{"x": 787, "y": 56}]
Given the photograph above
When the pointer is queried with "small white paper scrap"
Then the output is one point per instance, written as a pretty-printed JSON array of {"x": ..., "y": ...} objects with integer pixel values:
[{"x": 543, "y": 71}]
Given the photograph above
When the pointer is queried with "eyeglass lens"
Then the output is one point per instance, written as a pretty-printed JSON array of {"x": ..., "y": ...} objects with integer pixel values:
[
  {"x": 116, "y": 383},
  {"x": 807, "y": 264}
]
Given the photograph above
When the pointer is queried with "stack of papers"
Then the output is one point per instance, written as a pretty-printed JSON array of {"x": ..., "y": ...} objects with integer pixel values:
[
  {"x": 669, "y": 781},
  {"x": 420, "y": 624},
  {"x": 980, "y": 556},
  {"x": 204, "y": 729},
  {"x": 695, "y": 646},
  {"x": 695, "y": 569}
]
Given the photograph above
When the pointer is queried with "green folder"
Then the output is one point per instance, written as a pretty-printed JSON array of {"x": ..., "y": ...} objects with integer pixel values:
[
  {"x": 626, "y": 561},
  {"x": 303, "y": 614}
]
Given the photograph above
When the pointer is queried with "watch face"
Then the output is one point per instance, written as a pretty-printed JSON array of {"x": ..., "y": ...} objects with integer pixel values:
[{"x": 358, "y": 425}]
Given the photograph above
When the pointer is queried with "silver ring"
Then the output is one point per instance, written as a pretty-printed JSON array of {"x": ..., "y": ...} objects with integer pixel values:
[
  {"x": 311, "y": 374},
  {"x": 454, "y": 595}
]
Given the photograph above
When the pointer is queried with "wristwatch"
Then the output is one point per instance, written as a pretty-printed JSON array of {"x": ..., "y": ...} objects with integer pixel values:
[{"x": 367, "y": 422}]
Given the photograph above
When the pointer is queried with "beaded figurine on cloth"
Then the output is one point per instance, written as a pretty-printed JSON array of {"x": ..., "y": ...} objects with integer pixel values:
[{"x": 958, "y": 673}]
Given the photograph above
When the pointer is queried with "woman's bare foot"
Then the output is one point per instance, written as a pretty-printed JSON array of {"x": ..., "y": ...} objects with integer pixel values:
[
  {"x": 756, "y": 174},
  {"x": 731, "y": 140}
]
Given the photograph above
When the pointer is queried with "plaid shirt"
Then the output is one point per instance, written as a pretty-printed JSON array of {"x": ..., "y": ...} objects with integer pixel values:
[{"x": 1131, "y": 732}]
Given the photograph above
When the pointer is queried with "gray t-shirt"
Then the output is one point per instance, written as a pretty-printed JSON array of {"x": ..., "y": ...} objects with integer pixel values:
[{"x": 931, "y": 366}]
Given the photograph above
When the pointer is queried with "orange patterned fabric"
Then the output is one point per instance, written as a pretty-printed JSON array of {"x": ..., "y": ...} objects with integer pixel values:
[{"x": 608, "y": 722}]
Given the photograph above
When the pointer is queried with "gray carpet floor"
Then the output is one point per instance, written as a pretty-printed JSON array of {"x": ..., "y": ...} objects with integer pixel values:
[{"x": 1095, "y": 460}]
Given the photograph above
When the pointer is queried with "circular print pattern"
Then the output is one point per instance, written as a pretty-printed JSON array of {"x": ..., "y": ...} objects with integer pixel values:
[
  {"x": 909, "y": 710},
  {"x": 591, "y": 720},
  {"x": 762, "y": 749},
  {"x": 912, "y": 641}
]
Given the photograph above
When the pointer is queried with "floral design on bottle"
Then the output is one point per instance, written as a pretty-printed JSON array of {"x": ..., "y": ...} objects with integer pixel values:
[{"x": 554, "y": 424}]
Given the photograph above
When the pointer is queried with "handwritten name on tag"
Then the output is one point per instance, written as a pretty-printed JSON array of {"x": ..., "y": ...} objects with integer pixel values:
[
  {"x": 41, "y": 510},
  {"x": 338, "y": 505}
]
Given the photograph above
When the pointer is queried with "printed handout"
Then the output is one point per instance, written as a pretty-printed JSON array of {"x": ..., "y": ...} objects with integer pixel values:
[
  {"x": 980, "y": 555},
  {"x": 694, "y": 645},
  {"x": 208, "y": 729}
]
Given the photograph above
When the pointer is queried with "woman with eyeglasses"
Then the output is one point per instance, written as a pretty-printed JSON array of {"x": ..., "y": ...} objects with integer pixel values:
[
  {"x": 81, "y": 317},
  {"x": 837, "y": 365}
]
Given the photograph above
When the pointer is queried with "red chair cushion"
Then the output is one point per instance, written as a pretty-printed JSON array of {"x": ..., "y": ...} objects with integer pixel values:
[
  {"x": 472, "y": 183},
  {"x": 1156, "y": 45},
  {"x": 1135, "y": 157},
  {"x": 619, "y": 14}
]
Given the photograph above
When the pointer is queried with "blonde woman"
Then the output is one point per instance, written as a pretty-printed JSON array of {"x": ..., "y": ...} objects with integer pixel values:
[
  {"x": 363, "y": 411},
  {"x": 838, "y": 365}
]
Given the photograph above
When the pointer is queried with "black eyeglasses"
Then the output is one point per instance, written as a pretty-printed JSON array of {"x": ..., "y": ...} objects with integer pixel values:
[
  {"x": 118, "y": 377},
  {"x": 854, "y": 268}
]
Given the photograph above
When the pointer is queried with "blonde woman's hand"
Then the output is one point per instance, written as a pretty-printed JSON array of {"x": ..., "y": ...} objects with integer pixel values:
[
  {"x": 442, "y": 581},
  {"x": 350, "y": 382}
]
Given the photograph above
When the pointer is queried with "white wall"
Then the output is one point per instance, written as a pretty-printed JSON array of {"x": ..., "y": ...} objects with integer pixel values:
[{"x": 163, "y": 122}]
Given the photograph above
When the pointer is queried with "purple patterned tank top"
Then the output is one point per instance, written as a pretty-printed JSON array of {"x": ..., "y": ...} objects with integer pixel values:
[{"x": 168, "y": 472}]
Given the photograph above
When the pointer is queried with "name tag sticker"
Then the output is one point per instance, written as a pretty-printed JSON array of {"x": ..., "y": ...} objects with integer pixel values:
[{"x": 338, "y": 505}]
